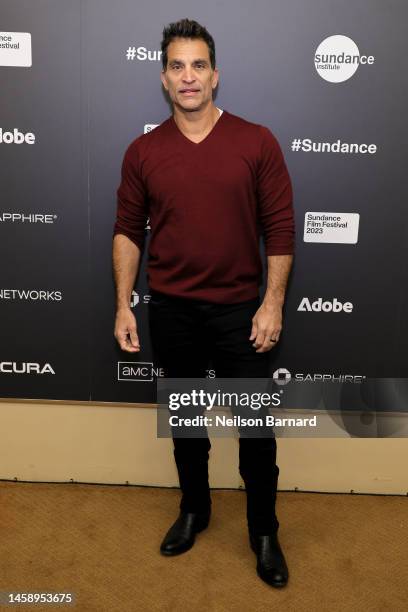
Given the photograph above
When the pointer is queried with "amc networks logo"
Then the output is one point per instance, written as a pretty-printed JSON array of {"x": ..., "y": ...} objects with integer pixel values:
[{"x": 138, "y": 371}]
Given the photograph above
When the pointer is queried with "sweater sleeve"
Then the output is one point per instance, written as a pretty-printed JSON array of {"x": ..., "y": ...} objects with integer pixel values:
[
  {"x": 275, "y": 197},
  {"x": 132, "y": 207}
]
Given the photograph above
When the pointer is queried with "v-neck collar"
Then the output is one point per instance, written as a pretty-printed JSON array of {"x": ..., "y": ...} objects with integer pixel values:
[{"x": 191, "y": 142}]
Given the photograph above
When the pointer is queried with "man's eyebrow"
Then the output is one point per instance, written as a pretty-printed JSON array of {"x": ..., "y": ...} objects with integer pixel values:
[{"x": 179, "y": 61}]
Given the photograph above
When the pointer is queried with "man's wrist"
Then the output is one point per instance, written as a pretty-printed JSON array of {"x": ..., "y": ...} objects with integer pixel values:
[{"x": 273, "y": 298}]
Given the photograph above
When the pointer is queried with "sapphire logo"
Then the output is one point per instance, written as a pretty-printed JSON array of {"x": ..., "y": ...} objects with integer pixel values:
[
  {"x": 281, "y": 376},
  {"x": 13, "y": 217}
]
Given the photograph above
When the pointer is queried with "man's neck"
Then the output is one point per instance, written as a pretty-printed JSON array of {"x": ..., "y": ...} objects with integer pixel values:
[{"x": 196, "y": 124}]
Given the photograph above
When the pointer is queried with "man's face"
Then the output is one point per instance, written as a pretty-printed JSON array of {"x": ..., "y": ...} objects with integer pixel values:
[{"x": 189, "y": 78}]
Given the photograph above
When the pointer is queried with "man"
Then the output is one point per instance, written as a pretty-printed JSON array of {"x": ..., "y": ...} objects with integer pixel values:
[{"x": 209, "y": 181}]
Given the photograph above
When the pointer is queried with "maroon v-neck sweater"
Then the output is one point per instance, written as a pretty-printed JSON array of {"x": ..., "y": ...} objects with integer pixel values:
[{"x": 207, "y": 203}]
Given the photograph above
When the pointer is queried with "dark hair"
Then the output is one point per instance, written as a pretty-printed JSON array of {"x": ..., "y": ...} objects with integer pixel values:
[{"x": 186, "y": 28}]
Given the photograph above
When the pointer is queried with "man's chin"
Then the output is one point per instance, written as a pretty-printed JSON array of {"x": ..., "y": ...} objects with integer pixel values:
[{"x": 189, "y": 108}]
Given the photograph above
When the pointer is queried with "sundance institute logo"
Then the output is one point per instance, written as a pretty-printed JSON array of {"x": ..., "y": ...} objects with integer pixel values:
[{"x": 338, "y": 57}]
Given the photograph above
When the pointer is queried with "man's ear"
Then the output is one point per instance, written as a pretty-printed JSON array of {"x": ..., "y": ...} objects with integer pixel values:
[
  {"x": 163, "y": 79},
  {"x": 215, "y": 78}
]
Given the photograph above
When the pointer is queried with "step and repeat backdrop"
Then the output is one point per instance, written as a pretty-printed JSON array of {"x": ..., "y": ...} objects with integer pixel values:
[{"x": 81, "y": 80}]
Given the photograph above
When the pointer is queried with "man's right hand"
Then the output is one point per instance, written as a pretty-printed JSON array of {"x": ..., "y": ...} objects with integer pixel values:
[{"x": 126, "y": 330}]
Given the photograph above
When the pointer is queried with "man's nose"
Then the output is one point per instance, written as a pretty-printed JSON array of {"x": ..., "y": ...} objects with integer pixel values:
[{"x": 188, "y": 75}]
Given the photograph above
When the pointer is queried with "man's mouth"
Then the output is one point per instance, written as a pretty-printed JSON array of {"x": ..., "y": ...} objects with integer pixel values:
[{"x": 189, "y": 91}]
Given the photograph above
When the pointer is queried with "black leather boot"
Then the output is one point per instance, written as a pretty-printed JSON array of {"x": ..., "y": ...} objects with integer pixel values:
[
  {"x": 181, "y": 535},
  {"x": 271, "y": 565}
]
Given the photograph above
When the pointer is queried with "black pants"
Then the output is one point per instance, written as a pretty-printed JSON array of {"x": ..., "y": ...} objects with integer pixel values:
[{"x": 185, "y": 334}]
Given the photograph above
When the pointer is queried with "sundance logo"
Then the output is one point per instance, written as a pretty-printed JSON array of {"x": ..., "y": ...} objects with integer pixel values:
[
  {"x": 338, "y": 57},
  {"x": 11, "y": 367},
  {"x": 15, "y": 49},
  {"x": 16, "y": 137},
  {"x": 320, "y": 306},
  {"x": 138, "y": 371}
]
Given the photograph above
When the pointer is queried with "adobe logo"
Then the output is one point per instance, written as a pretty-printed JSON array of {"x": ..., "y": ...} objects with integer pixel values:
[
  {"x": 16, "y": 137},
  {"x": 328, "y": 306}
]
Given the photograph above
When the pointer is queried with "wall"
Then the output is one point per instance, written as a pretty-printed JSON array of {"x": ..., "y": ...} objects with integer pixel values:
[{"x": 117, "y": 444}]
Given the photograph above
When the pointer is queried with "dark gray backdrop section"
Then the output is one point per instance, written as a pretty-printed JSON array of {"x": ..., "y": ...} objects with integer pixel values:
[
  {"x": 265, "y": 54},
  {"x": 268, "y": 76},
  {"x": 47, "y": 178}
]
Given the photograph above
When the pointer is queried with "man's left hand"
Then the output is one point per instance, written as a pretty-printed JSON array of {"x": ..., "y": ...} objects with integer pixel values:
[{"x": 266, "y": 327}]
